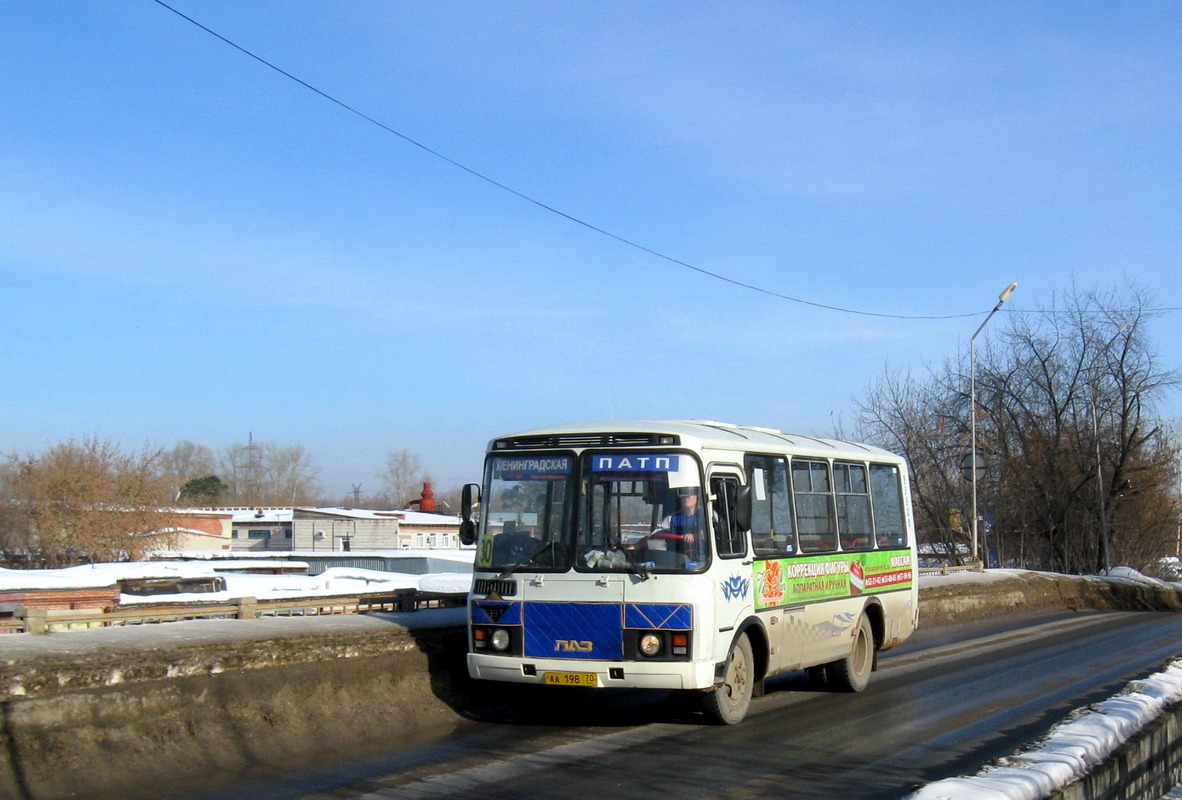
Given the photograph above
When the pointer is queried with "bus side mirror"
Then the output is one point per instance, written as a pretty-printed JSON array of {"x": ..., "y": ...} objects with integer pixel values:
[
  {"x": 743, "y": 516},
  {"x": 469, "y": 501}
]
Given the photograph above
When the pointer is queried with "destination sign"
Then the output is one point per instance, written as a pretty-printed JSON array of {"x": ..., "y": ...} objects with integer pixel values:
[
  {"x": 532, "y": 467},
  {"x": 635, "y": 462}
]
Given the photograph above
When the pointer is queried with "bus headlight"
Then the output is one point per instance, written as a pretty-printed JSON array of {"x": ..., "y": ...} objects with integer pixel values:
[
  {"x": 500, "y": 639},
  {"x": 650, "y": 644}
]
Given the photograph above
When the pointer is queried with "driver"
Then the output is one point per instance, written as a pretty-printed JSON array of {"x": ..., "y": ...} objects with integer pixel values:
[{"x": 684, "y": 527}]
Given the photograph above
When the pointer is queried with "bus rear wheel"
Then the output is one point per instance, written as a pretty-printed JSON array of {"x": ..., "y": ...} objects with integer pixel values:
[
  {"x": 852, "y": 673},
  {"x": 729, "y": 702}
]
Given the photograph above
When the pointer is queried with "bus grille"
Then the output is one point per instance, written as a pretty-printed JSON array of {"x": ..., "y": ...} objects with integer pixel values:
[{"x": 487, "y": 586}]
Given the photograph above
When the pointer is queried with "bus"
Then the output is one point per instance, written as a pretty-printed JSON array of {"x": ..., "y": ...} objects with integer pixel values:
[{"x": 687, "y": 555}]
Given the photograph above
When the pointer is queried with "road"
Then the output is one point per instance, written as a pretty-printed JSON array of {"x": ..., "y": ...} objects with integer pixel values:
[{"x": 944, "y": 704}]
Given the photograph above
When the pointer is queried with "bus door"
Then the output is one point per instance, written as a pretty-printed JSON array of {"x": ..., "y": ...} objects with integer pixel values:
[
  {"x": 734, "y": 595},
  {"x": 773, "y": 542}
]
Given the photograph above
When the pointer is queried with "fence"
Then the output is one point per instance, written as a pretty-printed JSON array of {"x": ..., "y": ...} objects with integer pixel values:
[
  {"x": 948, "y": 569},
  {"x": 41, "y": 620}
]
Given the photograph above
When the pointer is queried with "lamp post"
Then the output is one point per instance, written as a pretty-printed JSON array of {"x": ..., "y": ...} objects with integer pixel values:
[{"x": 1001, "y": 298}]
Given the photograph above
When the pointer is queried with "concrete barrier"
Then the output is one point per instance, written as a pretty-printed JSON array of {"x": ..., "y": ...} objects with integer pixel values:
[
  {"x": 138, "y": 713},
  {"x": 1145, "y": 768}
]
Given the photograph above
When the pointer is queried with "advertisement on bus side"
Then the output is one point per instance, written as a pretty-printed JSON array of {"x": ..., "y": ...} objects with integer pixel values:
[{"x": 789, "y": 581}]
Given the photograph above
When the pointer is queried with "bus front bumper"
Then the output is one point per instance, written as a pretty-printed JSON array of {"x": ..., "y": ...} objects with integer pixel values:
[{"x": 621, "y": 674}]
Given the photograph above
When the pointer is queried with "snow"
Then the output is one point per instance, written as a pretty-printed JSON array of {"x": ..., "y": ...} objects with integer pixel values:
[
  {"x": 1071, "y": 749},
  {"x": 958, "y": 578},
  {"x": 332, "y": 582}
]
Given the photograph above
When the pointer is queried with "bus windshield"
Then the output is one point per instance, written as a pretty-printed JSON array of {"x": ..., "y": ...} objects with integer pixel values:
[
  {"x": 527, "y": 513},
  {"x": 636, "y": 512},
  {"x": 641, "y": 511}
]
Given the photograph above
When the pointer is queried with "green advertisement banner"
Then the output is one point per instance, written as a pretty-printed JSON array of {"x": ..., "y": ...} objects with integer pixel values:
[{"x": 790, "y": 581}]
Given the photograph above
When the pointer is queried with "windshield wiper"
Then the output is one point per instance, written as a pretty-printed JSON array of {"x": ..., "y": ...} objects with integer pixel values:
[
  {"x": 638, "y": 567},
  {"x": 634, "y": 566}
]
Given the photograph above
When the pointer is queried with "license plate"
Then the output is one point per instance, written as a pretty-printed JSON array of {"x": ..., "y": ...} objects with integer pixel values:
[{"x": 571, "y": 678}]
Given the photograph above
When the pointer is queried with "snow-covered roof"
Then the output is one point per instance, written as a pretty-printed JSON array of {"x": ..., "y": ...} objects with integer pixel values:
[
  {"x": 463, "y": 556},
  {"x": 425, "y": 518},
  {"x": 271, "y": 515},
  {"x": 285, "y": 515}
]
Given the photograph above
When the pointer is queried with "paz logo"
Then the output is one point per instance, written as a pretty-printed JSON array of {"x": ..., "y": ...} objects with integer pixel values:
[{"x": 735, "y": 587}]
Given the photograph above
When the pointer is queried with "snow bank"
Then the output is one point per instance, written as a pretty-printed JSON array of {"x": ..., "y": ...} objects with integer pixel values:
[
  {"x": 333, "y": 581},
  {"x": 1072, "y": 748}
]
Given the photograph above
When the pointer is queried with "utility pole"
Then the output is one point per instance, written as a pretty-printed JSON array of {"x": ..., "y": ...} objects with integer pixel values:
[{"x": 252, "y": 469}]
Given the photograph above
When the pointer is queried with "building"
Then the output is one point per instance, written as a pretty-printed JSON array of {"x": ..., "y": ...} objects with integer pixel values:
[
  {"x": 342, "y": 530},
  {"x": 262, "y": 528},
  {"x": 198, "y": 529}
]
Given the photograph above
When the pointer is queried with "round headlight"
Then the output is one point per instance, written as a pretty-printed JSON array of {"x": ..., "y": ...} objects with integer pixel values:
[
  {"x": 650, "y": 644},
  {"x": 500, "y": 639}
]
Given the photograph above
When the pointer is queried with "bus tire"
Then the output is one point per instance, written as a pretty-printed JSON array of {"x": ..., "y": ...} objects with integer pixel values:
[
  {"x": 728, "y": 703},
  {"x": 852, "y": 673}
]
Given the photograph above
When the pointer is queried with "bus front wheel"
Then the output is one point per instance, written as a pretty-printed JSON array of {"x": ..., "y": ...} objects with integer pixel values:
[
  {"x": 852, "y": 673},
  {"x": 728, "y": 703}
]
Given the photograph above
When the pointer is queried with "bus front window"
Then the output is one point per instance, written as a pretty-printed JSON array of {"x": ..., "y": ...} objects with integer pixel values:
[
  {"x": 526, "y": 513},
  {"x": 642, "y": 512}
]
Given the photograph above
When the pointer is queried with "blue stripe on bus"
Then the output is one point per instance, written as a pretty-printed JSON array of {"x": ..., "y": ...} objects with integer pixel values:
[
  {"x": 574, "y": 630},
  {"x": 491, "y": 613},
  {"x": 655, "y": 616}
]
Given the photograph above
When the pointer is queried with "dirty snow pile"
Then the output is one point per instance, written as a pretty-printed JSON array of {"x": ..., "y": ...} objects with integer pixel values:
[{"x": 1072, "y": 748}]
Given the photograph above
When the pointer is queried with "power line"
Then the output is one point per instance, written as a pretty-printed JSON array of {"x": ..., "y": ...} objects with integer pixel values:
[{"x": 547, "y": 207}]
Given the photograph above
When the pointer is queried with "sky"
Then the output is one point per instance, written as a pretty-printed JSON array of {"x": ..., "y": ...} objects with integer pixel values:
[{"x": 449, "y": 221}]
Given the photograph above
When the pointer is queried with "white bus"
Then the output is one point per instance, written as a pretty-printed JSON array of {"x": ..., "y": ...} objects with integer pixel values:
[{"x": 687, "y": 555}]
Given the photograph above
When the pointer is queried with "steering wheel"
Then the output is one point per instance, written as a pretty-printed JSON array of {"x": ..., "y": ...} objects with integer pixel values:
[{"x": 514, "y": 548}]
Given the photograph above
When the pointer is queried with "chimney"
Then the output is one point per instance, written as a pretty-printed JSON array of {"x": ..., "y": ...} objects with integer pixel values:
[{"x": 427, "y": 504}]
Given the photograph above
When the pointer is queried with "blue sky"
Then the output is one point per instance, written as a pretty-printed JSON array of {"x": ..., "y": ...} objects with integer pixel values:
[{"x": 193, "y": 246}]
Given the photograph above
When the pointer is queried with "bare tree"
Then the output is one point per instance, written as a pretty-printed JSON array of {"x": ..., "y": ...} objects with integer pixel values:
[
  {"x": 17, "y": 539},
  {"x": 917, "y": 420},
  {"x": 1080, "y": 466},
  {"x": 403, "y": 479},
  {"x": 288, "y": 475},
  {"x": 88, "y": 501},
  {"x": 269, "y": 474},
  {"x": 1069, "y": 409}
]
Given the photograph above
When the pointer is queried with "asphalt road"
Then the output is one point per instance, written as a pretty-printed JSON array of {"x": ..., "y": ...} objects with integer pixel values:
[{"x": 944, "y": 704}]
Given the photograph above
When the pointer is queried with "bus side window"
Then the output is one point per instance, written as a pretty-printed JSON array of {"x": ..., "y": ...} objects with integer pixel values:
[
  {"x": 815, "y": 515},
  {"x": 772, "y": 535},
  {"x": 853, "y": 506},
  {"x": 886, "y": 494},
  {"x": 729, "y": 541}
]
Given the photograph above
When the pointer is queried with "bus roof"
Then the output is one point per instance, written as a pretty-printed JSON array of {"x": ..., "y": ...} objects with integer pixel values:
[{"x": 703, "y": 434}]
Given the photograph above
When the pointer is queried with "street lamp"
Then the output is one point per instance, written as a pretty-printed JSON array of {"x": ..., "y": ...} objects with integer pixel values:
[{"x": 1001, "y": 298}]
